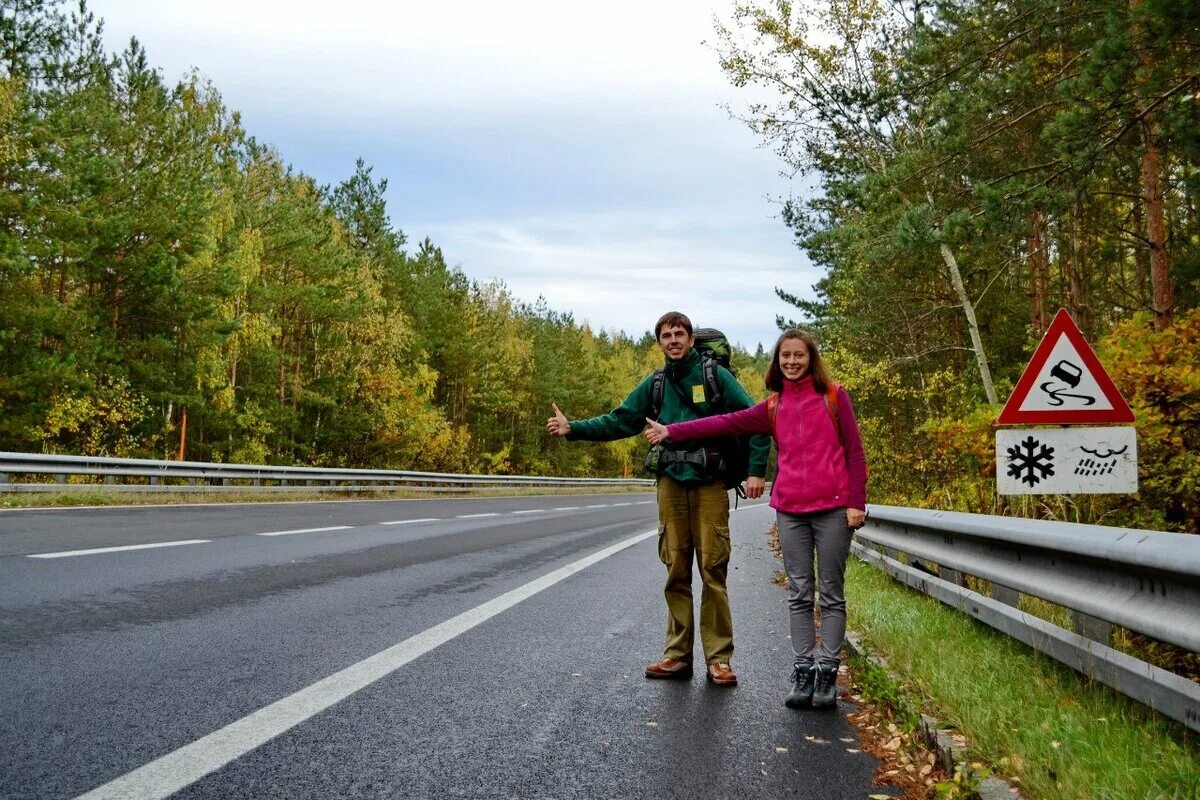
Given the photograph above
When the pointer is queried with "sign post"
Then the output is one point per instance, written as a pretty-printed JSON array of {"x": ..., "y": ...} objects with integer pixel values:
[{"x": 1065, "y": 384}]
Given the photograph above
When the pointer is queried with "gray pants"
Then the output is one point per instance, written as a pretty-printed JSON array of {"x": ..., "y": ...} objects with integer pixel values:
[{"x": 827, "y": 535}]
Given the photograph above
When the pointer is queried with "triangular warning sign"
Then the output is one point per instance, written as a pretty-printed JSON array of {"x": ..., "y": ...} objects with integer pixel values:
[{"x": 1064, "y": 384}]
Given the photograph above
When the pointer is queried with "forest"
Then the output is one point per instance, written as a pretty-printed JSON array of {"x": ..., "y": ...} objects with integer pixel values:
[
  {"x": 982, "y": 164},
  {"x": 172, "y": 287}
]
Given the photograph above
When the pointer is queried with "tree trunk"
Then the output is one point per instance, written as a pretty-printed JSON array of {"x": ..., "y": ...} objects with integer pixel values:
[
  {"x": 1162, "y": 299},
  {"x": 1039, "y": 272},
  {"x": 1162, "y": 296},
  {"x": 960, "y": 291},
  {"x": 1073, "y": 269}
]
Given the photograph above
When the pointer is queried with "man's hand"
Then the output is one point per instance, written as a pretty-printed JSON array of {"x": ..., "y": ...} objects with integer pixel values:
[
  {"x": 755, "y": 486},
  {"x": 856, "y": 518},
  {"x": 558, "y": 425},
  {"x": 655, "y": 432}
]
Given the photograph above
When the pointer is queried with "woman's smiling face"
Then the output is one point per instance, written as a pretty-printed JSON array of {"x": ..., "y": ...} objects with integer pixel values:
[{"x": 793, "y": 359}]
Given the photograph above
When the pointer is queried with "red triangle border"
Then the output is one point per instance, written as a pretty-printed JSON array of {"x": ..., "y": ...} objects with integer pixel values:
[{"x": 1064, "y": 325}]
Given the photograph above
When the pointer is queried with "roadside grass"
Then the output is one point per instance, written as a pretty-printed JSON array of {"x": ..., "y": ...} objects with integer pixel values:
[
  {"x": 84, "y": 496},
  {"x": 1059, "y": 734}
]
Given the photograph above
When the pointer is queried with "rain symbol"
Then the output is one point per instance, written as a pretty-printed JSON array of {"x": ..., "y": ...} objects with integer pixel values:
[{"x": 1100, "y": 462}]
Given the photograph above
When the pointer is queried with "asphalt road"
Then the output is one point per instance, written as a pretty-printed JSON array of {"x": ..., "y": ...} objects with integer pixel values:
[{"x": 404, "y": 649}]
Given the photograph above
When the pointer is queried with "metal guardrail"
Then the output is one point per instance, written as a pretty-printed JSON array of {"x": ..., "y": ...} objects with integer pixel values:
[
  {"x": 1146, "y": 581},
  {"x": 207, "y": 477}
]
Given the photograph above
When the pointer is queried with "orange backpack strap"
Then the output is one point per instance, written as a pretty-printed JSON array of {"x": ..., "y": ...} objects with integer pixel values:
[
  {"x": 772, "y": 409},
  {"x": 831, "y": 405}
]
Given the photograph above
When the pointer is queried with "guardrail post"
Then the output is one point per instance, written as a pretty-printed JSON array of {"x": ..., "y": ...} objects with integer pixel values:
[
  {"x": 61, "y": 479},
  {"x": 1010, "y": 597},
  {"x": 1089, "y": 627},
  {"x": 4, "y": 478},
  {"x": 952, "y": 575},
  {"x": 109, "y": 480},
  {"x": 154, "y": 480}
]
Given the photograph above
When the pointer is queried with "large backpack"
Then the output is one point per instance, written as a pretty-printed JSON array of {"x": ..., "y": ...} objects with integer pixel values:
[{"x": 733, "y": 462}]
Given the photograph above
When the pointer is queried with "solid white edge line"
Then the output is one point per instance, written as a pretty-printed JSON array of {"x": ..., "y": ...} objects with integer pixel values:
[
  {"x": 410, "y": 521},
  {"x": 94, "y": 550},
  {"x": 180, "y": 768},
  {"x": 307, "y": 530}
]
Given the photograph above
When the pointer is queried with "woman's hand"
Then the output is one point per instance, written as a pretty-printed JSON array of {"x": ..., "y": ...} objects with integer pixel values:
[
  {"x": 655, "y": 433},
  {"x": 856, "y": 518}
]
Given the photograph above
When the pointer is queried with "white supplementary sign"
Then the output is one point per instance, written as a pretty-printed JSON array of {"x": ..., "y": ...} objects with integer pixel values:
[{"x": 1066, "y": 460}]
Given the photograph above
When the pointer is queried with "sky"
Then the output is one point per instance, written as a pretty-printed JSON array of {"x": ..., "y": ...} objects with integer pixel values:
[{"x": 578, "y": 152}]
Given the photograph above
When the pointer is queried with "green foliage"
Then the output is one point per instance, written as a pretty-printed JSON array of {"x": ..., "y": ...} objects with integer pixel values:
[
  {"x": 158, "y": 263},
  {"x": 1014, "y": 146}
]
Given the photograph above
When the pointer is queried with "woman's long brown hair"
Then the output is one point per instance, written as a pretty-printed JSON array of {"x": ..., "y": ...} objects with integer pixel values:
[{"x": 816, "y": 367}]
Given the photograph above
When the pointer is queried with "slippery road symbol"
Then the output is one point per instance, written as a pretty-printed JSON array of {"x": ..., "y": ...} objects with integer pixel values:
[{"x": 1068, "y": 376}]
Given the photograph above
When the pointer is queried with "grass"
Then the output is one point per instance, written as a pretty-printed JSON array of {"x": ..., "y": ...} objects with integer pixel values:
[
  {"x": 1059, "y": 734},
  {"x": 84, "y": 496}
]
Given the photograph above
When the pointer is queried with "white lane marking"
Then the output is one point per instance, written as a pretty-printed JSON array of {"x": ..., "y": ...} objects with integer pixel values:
[
  {"x": 94, "y": 550},
  {"x": 410, "y": 521},
  {"x": 598, "y": 505},
  {"x": 566, "y": 508},
  {"x": 477, "y": 516},
  {"x": 529, "y": 511},
  {"x": 752, "y": 505},
  {"x": 180, "y": 768},
  {"x": 307, "y": 530},
  {"x": 645, "y": 502},
  {"x": 615, "y": 505}
]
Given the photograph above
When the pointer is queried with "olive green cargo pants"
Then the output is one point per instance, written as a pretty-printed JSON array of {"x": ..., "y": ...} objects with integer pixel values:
[{"x": 695, "y": 519}]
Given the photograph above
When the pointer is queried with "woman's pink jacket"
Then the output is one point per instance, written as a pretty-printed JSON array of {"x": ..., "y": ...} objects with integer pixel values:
[{"x": 817, "y": 471}]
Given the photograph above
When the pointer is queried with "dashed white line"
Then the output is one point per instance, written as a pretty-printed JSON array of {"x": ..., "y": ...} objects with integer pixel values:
[
  {"x": 95, "y": 550},
  {"x": 529, "y": 511},
  {"x": 410, "y": 521},
  {"x": 307, "y": 530},
  {"x": 180, "y": 768},
  {"x": 598, "y": 505},
  {"x": 477, "y": 516},
  {"x": 566, "y": 508},
  {"x": 645, "y": 503},
  {"x": 621, "y": 504}
]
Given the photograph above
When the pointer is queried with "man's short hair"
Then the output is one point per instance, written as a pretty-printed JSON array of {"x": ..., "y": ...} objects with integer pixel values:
[{"x": 672, "y": 319}]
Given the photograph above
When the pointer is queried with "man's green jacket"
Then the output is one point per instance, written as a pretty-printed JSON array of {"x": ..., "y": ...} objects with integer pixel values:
[{"x": 629, "y": 418}]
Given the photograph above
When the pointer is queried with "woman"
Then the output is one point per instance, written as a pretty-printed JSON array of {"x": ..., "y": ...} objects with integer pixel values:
[{"x": 819, "y": 496}]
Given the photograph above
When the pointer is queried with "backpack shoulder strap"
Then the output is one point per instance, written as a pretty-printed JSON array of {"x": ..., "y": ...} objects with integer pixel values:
[
  {"x": 656, "y": 393},
  {"x": 772, "y": 409},
  {"x": 712, "y": 386},
  {"x": 831, "y": 405}
]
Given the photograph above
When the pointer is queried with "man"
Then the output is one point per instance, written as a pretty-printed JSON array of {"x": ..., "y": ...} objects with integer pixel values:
[{"x": 693, "y": 504}]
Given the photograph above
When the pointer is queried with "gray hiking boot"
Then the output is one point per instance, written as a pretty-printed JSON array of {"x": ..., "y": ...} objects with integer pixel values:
[
  {"x": 825, "y": 692},
  {"x": 804, "y": 680}
]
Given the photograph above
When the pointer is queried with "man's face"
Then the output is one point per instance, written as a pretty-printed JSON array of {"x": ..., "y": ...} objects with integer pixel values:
[{"x": 675, "y": 341}]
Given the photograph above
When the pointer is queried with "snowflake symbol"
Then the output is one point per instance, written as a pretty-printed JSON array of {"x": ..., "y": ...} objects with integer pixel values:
[{"x": 1026, "y": 461}]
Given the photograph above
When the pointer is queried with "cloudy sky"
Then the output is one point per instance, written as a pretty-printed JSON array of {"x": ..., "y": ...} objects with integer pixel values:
[{"x": 575, "y": 151}]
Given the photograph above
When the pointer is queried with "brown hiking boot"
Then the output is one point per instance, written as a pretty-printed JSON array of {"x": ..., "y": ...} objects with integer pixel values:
[
  {"x": 722, "y": 674},
  {"x": 670, "y": 668}
]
